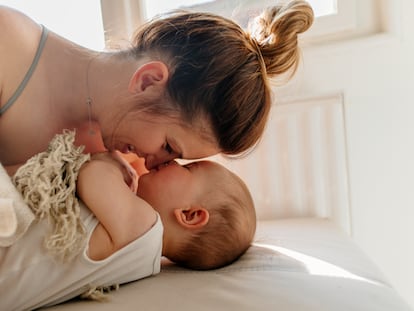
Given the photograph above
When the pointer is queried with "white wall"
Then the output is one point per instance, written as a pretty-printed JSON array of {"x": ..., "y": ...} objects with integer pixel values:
[{"x": 376, "y": 75}]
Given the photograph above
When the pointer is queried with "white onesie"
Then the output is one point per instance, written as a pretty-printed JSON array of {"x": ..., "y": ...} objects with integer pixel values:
[{"x": 30, "y": 277}]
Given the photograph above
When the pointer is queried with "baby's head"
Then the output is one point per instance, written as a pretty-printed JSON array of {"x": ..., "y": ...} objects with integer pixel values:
[{"x": 207, "y": 212}]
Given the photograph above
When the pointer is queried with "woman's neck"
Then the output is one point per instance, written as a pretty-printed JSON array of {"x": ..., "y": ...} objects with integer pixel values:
[
  {"x": 108, "y": 79},
  {"x": 67, "y": 80}
]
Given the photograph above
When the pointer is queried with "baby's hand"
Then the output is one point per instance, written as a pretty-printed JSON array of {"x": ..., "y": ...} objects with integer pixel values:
[
  {"x": 133, "y": 184},
  {"x": 128, "y": 172}
]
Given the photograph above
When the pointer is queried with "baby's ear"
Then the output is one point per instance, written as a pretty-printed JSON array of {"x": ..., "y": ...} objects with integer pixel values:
[{"x": 194, "y": 217}]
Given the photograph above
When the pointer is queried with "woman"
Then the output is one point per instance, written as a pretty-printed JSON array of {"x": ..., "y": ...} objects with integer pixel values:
[{"x": 191, "y": 85}]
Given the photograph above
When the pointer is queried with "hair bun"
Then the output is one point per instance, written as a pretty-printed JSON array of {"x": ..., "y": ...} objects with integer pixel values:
[{"x": 276, "y": 34}]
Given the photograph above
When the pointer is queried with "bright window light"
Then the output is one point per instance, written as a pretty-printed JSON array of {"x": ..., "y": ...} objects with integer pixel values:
[
  {"x": 324, "y": 7},
  {"x": 151, "y": 8},
  {"x": 76, "y": 20},
  {"x": 155, "y": 7}
]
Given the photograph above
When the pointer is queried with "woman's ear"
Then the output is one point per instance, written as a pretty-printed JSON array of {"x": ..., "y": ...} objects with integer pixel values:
[
  {"x": 149, "y": 74},
  {"x": 194, "y": 217}
]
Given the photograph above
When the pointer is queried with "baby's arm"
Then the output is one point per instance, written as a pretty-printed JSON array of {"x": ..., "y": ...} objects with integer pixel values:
[
  {"x": 123, "y": 216},
  {"x": 131, "y": 173}
]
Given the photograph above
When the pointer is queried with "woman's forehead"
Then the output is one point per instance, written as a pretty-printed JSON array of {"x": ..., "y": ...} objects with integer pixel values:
[
  {"x": 192, "y": 145},
  {"x": 198, "y": 135}
]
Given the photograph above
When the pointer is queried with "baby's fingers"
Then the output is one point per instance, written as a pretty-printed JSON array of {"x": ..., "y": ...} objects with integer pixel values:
[{"x": 131, "y": 177}]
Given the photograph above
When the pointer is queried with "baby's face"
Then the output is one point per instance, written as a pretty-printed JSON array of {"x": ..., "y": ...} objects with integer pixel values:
[{"x": 172, "y": 185}]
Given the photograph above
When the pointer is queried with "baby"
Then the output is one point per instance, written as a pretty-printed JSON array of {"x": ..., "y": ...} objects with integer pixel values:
[
  {"x": 199, "y": 215},
  {"x": 206, "y": 210}
]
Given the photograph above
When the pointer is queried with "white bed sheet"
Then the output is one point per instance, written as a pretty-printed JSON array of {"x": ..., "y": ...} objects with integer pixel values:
[{"x": 300, "y": 264}]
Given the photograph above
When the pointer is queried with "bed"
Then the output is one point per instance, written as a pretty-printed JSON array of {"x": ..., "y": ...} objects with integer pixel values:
[
  {"x": 303, "y": 256},
  {"x": 299, "y": 264}
]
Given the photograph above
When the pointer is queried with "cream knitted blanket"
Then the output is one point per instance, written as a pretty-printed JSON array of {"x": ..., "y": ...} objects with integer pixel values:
[
  {"x": 47, "y": 184},
  {"x": 45, "y": 188}
]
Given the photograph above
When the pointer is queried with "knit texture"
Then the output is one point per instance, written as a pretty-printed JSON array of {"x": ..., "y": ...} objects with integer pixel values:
[{"x": 47, "y": 182}]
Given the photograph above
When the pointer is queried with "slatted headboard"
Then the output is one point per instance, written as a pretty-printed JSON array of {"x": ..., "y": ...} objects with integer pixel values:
[{"x": 300, "y": 167}]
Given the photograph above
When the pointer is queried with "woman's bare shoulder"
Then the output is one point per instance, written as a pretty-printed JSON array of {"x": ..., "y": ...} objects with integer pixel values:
[
  {"x": 16, "y": 26},
  {"x": 19, "y": 38}
]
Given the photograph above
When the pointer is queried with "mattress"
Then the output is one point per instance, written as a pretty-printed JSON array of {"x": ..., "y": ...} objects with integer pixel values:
[{"x": 294, "y": 264}]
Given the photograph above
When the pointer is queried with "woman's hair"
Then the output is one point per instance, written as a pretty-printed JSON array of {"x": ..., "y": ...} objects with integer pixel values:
[
  {"x": 229, "y": 231},
  {"x": 220, "y": 71}
]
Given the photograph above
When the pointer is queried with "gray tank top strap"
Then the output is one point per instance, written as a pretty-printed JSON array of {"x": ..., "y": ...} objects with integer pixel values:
[{"x": 29, "y": 72}]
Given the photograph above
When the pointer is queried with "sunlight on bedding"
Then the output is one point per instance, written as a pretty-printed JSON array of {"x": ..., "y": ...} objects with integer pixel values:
[{"x": 316, "y": 266}]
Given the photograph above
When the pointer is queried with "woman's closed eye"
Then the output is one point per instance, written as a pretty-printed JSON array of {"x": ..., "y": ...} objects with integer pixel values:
[
  {"x": 172, "y": 150},
  {"x": 168, "y": 148}
]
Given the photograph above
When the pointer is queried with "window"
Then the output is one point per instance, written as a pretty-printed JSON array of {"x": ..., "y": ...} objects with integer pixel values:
[
  {"x": 335, "y": 19},
  {"x": 332, "y": 16},
  {"x": 99, "y": 24},
  {"x": 229, "y": 7},
  {"x": 77, "y": 20},
  {"x": 338, "y": 16}
]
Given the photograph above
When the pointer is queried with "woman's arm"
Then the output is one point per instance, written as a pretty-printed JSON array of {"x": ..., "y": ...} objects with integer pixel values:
[{"x": 123, "y": 216}]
